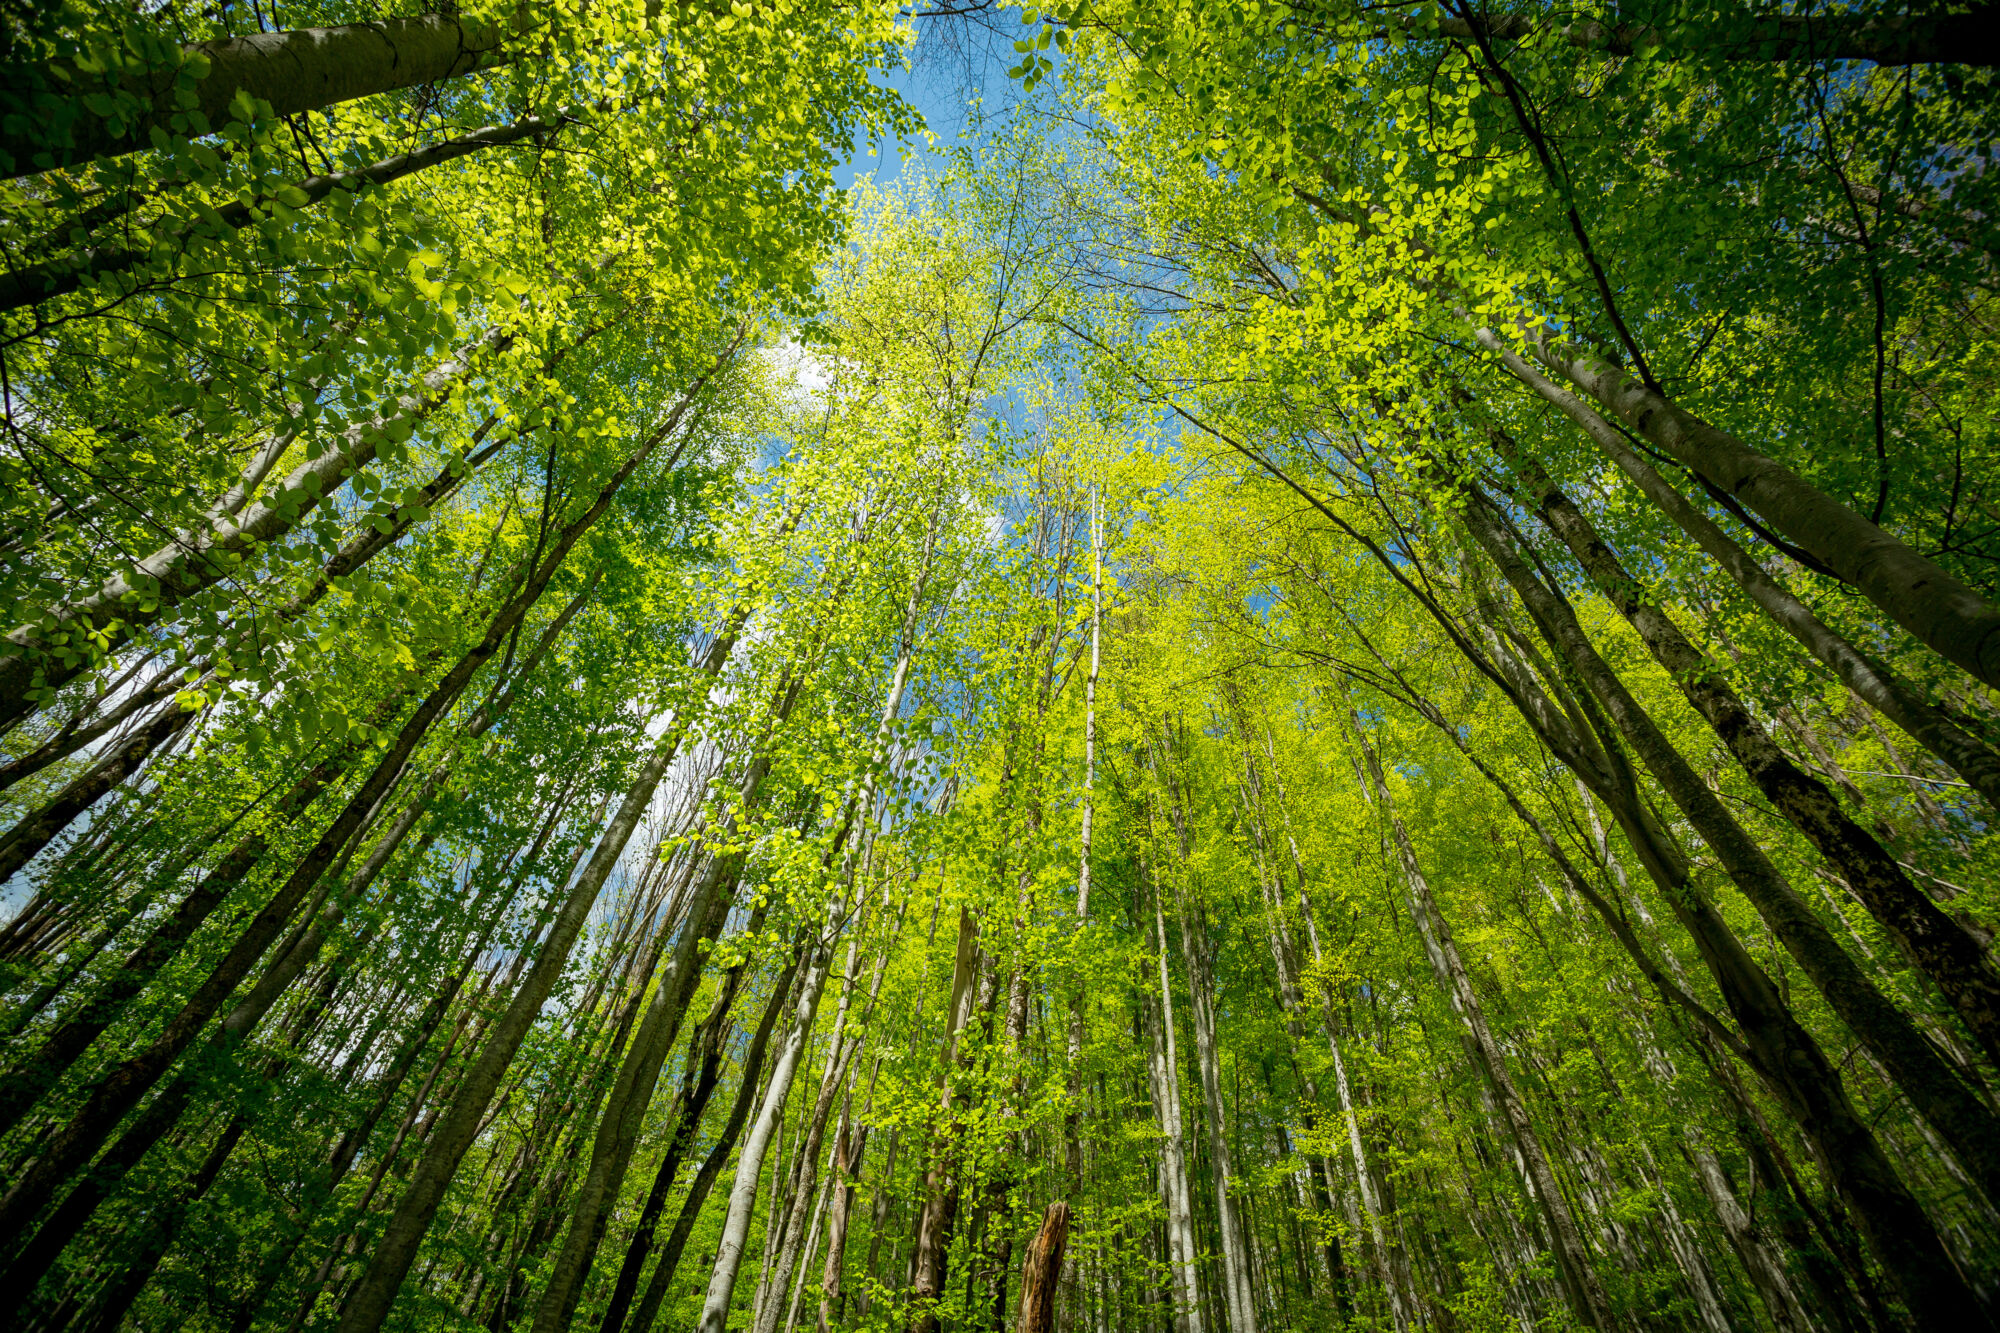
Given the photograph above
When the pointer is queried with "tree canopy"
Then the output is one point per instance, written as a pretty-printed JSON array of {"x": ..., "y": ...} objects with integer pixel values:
[{"x": 1343, "y": 674}]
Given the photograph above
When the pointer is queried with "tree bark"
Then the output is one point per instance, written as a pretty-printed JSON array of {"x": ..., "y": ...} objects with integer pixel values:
[
  {"x": 1183, "y": 1248},
  {"x": 1936, "y": 608},
  {"x": 1042, "y": 1273},
  {"x": 1784, "y": 1055},
  {"x": 718, "y": 1157},
  {"x": 308, "y": 69},
  {"x": 929, "y": 1258},
  {"x": 1885, "y": 691},
  {"x": 41, "y": 826},
  {"x": 51, "y": 278},
  {"x": 1952, "y": 959},
  {"x": 1587, "y": 1298},
  {"x": 30, "y": 670},
  {"x": 750, "y": 1163}
]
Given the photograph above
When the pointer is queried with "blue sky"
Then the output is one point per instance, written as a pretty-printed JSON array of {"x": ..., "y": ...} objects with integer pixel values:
[{"x": 942, "y": 95}]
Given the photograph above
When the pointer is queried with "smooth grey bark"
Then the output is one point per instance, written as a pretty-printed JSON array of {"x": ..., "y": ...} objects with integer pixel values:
[
  {"x": 356, "y": 551},
  {"x": 1164, "y": 1067},
  {"x": 197, "y": 559},
  {"x": 1885, "y": 691},
  {"x": 781, "y": 1293},
  {"x": 1937, "y": 609},
  {"x": 1580, "y": 1282},
  {"x": 624, "y": 1113},
  {"x": 1941, "y": 948},
  {"x": 1937, "y": 1092},
  {"x": 703, "y": 1072},
  {"x": 750, "y": 1163},
  {"x": 1387, "y": 1255},
  {"x": 59, "y": 276},
  {"x": 1072, "y": 1138},
  {"x": 375, "y": 1292},
  {"x": 1785, "y": 1056},
  {"x": 860, "y": 805},
  {"x": 718, "y": 1157},
  {"x": 372, "y": 1296},
  {"x": 303, "y": 70},
  {"x": 624, "y": 1109},
  {"x": 1238, "y": 1296}
]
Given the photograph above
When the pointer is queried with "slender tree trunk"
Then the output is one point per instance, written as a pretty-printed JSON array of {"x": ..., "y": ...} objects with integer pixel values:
[
  {"x": 370, "y": 1302},
  {"x": 304, "y": 70},
  {"x": 41, "y": 826},
  {"x": 704, "y": 1069},
  {"x": 1240, "y": 1299},
  {"x": 941, "y": 1179},
  {"x": 1890, "y": 695},
  {"x": 1784, "y": 1055},
  {"x": 1937, "y": 609},
  {"x": 1587, "y": 1299},
  {"x": 1952, "y": 959},
  {"x": 196, "y": 560},
  {"x": 718, "y": 1157},
  {"x": 51, "y": 278},
  {"x": 1183, "y": 1248},
  {"x": 750, "y": 1163}
]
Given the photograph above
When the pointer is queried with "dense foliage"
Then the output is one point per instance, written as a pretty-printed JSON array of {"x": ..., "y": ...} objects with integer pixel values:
[{"x": 1346, "y": 677}]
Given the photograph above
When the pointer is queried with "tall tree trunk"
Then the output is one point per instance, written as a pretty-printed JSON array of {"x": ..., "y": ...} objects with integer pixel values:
[
  {"x": 939, "y": 1215},
  {"x": 1952, "y": 959},
  {"x": 1240, "y": 1299},
  {"x": 1937, "y": 609},
  {"x": 1785, "y": 1056},
  {"x": 50, "y": 278},
  {"x": 1896, "y": 699},
  {"x": 704, "y": 1068},
  {"x": 195, "y": 560},
  {"x": 718, "y": 1157},
  {"x": 41, "y": 826},
  {"x": 1585, "y": 1292},
  {"x": 118, "y": 1091},
  {"x": 1183, "y": 1249},
  {"x": 369, "y": 1304},
  {"x": 750, "y": 1163},
  {"x": 308, "y": 69}
]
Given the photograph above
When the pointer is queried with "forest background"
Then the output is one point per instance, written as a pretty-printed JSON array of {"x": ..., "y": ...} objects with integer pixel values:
[{"x": 1337, "y": 668}]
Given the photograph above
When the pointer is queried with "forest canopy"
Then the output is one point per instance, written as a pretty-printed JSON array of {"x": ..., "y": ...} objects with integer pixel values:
[{"x": 1342, "y": 673}]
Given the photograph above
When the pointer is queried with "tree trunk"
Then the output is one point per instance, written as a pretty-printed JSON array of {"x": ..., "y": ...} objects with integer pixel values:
[
  {"x": 1937, "y": 609},
  {"x": 941, "y": 1179},
  {"x": 369, "y": 1304},
  {"x": 718, "y": 1157},
  {"x": 51, "y": 278},
  {"x": 1890, "y": 695},
  {"x": 1950, "y": 957},
  {"x": 1781, "y": 1051},
  {"x": 1042, "y": 1273},
  {"x": 195, "y": 560},
  {"x": 750, "y": 1163},
  {"x": 41, "y": 826},
  {"x": 1587, "y": 1299},
  {"x": 309, "y": 69},
  {"x": 1183, "y": 1248},
  {"x": 1201, "y": 992}
]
